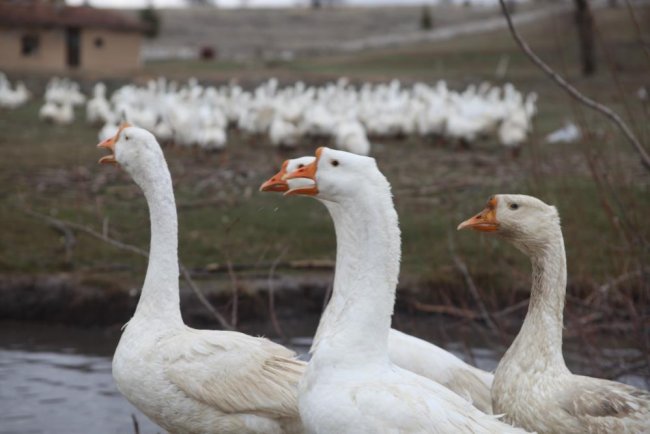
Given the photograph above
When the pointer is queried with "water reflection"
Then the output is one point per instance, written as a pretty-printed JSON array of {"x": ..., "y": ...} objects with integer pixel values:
[{"x": 56, "y": 379}]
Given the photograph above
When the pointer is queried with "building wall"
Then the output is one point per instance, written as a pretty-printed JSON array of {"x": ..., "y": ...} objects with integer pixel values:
[
  {"x": 118, "y": 52},
  {"x": 50, "y": 55}
]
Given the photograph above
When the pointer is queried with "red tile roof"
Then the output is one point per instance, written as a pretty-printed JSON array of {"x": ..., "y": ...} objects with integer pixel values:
[{"x": 47, "y": 15}]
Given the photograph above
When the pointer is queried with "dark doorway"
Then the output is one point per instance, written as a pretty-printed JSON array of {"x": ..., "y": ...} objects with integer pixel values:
[{"x": 73, "y": 46}]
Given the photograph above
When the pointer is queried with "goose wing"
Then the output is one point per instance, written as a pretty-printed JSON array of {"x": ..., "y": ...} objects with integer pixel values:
[
  {"x": 234, "y": 372},
  {"x": 415, "y": 405},
  {"x": 607, "y": 401}
]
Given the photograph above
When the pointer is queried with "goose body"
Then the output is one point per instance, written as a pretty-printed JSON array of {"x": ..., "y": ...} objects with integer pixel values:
[
  {"x": 350, "y": 385},
  {"x": 60, "y": 114},
  {"x": 187, "y": 380},
  {"x": 98, "y": 110},
  {"x": 533, "y": 387},
  {"x": 437, "y": 364},
  {"x": 407, "y": 352},
  {"x": 12, "y": 98}
]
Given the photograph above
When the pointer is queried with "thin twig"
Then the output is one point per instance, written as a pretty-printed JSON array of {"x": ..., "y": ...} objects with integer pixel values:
[
  {"x": 637, "y": 27},
  {"x": 136, "y": 425},
  {"x": 460, "y": 266},
  {"x": 69, "y": 240},
  {"x": 444, "y": 309},
  {"x": 304, "y": 264},
  {"x": 575, "y": 93},
  {"x": 234, "y": 284},
  {"x": 272, "y": 315},
  {"x": 138, "y": 251},
  {"x": 606, "y": 287},
  {"x": 510, "y": 309}
]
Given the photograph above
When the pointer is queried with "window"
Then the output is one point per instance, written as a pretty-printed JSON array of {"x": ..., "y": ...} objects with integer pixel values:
[
  {"x": 29, "y": 45},
  {"x": 99, "y": 42}
]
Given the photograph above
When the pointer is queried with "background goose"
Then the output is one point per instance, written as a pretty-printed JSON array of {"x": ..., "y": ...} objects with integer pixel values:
[
  {"x": 57, "y": 113},
  {"x": 187, "y": 380},
  {"x": 532, "y": 385},
  {"x": 350, "y": 385},
  {"x": 98, "y": 110},
  {"x": 407, "y": 352},
  {"x": 12, "y": 98}
]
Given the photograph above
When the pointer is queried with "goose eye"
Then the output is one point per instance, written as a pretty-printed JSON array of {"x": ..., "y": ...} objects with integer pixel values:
[
  {"x": 513, "y": 206},
  {"x": 335, "y": 163},
  {"x": 300, "y": 166},
  {"x": 126, "y": 137}
]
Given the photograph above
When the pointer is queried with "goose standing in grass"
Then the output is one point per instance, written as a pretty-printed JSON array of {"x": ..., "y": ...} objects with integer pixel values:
[
  {"x": 98, "y": 109},
  {"x": 350, "y": 385},
  {"x": 533, "y": 387},
  {"x": 59, "y": 114},
  {"x": 187, "y": 380},
  {"x": 407, "y": 352},
  {"x": 12, "y": 98}
]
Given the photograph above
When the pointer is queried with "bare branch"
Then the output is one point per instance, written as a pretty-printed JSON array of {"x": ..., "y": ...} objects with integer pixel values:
[
  {"x": 300, "y": 264},
  {"x": 234, "y": 285},
  {"x": 69, "y": 240},
  {"x": 637, "y": 27},
  {"x": 274, "y": 318},
  {"x": 444, "y": 309},
  {"x": 460, "y": 266},
  {"x": 575, "y": 93},
  {"x": 138, "y": 251},
  {"x": 612, "y": 284},
  {"x": 136, "y": 425}
]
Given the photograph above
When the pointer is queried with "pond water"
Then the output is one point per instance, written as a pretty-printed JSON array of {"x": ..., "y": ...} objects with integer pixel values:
[{"x": 56, "y": 379}]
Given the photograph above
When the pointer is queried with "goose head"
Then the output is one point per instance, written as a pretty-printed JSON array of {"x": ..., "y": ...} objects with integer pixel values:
[
  {"x": 137, "y": 151},
  {"x": 278, "y": 183},
  {"x": 337, "y": 176},
  {"x": 525, "y": 221}
]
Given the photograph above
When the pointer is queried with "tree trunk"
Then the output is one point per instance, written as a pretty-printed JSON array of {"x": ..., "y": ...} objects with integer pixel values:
[{"x": 585, "y": 24}]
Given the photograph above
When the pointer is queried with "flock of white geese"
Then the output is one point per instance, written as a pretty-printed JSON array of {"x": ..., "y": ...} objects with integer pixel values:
[
  {"x": 347, "y": 116},
  {"x": 344, "y": 115},
  {"x": 363, "y": 376}
]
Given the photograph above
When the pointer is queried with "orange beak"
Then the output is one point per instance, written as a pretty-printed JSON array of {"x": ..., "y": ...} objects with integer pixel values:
[
  {"x": 307, "y": 172},
  {"x": 277, "y": 182},
  {"x": 485, "y": 221},
  {"x": 110, "y": 145}
]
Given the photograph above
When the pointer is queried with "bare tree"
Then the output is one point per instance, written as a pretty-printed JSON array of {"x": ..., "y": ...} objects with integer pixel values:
[
  {"x": 200, "y": 2},
  {"x": 317, "y": 4},
  {"x": 585, "y": 23},
  {"x": 575, "y": 93}
]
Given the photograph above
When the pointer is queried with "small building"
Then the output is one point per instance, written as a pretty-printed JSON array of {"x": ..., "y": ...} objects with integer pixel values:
[{"x": 48, "y": 36}]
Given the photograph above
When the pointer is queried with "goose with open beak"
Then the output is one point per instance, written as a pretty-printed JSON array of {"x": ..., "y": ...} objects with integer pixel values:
[
  {"x": 406, "y": 351},
  {"x": 307, "y": 175},
  {"x": 110, "y": 145},
  {"x": 279, "y": 183}
]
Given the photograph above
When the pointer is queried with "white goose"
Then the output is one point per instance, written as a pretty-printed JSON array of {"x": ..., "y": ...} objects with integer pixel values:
[
  {"x": 187, "y": 380},
  {"x": 532, "y": 385},
  {"x": 406, "y": 351},
  {"x": 350, "y": 385}
]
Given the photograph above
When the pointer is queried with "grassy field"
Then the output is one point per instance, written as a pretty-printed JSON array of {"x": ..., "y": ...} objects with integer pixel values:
[{"x": 53, "y": 170}]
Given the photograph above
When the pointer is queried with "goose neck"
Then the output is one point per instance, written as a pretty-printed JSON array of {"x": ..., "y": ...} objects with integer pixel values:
[
  {"x": 358, "y": 318},
  {"x": 542, "y": 328},
  {"x": 160, "y": 292}
]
